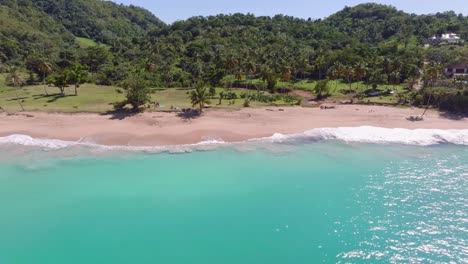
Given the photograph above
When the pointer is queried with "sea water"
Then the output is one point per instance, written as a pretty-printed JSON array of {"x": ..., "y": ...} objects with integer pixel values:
[{"x": 334, "y": 198}]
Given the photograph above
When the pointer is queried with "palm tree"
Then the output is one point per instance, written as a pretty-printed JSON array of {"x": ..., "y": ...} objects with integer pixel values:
[
  {"x": 231, "y": 63},
  {"x": 360, "y": 71},
  {"x": 45, "y": 68},
  {"x": 250, "y": 69},
  {"x": 334, "y": 73},
  {"x": 432, "y": 72},
  {"x": 348, "y": 73},
  {"x": 14, "y": 77},
  {"x": 77, "y": 76},
  {"x": 200, "y": 96}
]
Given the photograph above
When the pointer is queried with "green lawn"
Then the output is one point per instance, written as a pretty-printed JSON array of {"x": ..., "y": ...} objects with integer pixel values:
[
  {"x": 91, "y": 98},
  {"x": 94, "y": 98},
  {"x": 338, "y": 87}
]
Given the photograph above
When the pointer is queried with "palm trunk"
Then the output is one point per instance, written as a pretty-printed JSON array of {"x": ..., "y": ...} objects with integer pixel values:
[
  {"x": 18, "y": 99},
  {"x": 427, "y": 106},
  {"x": 76, "y": 89},
  {"x": 44, "y": 82}
]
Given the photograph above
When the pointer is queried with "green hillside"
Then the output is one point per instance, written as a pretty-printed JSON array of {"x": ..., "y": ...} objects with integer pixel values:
[
  {"x": 127, "y": 46},
  {"x": 50, "y": 27}
]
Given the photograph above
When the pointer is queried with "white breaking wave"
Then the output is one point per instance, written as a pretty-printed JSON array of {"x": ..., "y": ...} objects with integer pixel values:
[
  {"x": 26, "y": 140},
  {"x": 36, "y": 142},
  {"x": 365, "y": 134},
  {"x": 378, "y": 135}
]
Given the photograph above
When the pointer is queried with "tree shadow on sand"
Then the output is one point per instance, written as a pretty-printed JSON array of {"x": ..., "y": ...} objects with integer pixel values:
[
  {"x": 189, "y": 114},
  {"x": 120, "y": 114},
  {"x": 453, "y": 116}
]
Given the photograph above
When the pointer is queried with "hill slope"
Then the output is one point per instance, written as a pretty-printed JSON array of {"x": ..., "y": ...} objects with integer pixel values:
[{"x": 51, "y": 26}]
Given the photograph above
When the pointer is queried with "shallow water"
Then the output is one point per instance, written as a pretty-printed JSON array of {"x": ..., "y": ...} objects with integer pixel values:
[{"x": 300, "y": 201}]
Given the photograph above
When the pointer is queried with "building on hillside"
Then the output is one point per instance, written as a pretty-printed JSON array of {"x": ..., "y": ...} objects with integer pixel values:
[
  {"x": 456, "y": 69},
  {"x": 450, "y": 38}
]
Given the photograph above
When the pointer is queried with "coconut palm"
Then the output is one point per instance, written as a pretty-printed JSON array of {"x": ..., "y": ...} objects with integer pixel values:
[
  {"x": 250, "y": 69},
  {"x": 200, "y": 97},
  {"x": 360, "y": 71},
  {"x": 16, "y": 80},
  {"x": 348, "y": 74},
  {"x": 45, "y": 68}
]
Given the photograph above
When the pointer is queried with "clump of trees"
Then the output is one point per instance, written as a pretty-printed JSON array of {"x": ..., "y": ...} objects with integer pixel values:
[
  {"x": 101, "y": 42},
  {"x": 74, "y": 75}
]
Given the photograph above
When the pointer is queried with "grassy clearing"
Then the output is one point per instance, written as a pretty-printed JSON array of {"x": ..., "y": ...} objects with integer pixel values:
[
  {"x": 338, "y": 88},
  {"x": 85, "y": 42},
  {"x": 91, "y": 98},
  {"x": 179, "y": 98},
  {"x": 94, "y": 98}
]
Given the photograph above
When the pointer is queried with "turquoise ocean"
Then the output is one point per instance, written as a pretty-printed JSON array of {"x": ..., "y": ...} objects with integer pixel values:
[{"x": 357, "y": 195}]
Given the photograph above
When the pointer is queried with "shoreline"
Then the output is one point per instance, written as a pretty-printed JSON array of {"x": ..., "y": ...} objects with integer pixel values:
[{"x": 161, "y": 129}]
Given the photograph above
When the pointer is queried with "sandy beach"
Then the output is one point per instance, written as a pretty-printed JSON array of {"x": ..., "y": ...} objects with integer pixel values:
[{"x": 158, "y": 128}]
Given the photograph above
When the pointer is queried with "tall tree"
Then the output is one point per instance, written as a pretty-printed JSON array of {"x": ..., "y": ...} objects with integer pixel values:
[
  {"x": 45, "y": 68},
  {"x": 200, "y": 97},
  {"x": 16, "y": 80},
  {"x": 77, "y": 75}
]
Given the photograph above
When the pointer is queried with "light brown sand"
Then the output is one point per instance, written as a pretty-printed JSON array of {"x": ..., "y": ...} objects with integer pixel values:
[{"x": 150, "y": 129}]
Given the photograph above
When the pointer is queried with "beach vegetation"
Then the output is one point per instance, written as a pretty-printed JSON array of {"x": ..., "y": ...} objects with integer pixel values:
[
  {"x": 322, "y": 89},
  {"x": 200, "y": 97},
  {"x": 356, "y": 49},
  {"x": 15, "y": 79},
  {"x": 77, "y": 75},
  {"x": 61, "y": 80},
  {"x": 137, "y": 91}
]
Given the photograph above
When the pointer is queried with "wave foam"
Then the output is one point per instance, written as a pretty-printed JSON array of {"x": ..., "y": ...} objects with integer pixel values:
[
  {"x": 365, "y": 134},
  {"x": 378, "y": 135}
]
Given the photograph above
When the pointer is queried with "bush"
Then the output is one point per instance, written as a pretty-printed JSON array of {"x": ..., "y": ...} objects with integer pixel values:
[
  {"x": 246, "y": 103},
  {"x": 321, "y": 89},
  {"x": 271, "y": 85}
]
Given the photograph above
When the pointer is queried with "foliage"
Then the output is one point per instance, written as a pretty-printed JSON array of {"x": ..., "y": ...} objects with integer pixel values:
[
  {"x": 137, "y": 92},
  {"x": 200, "y": 97},
  {"x": 365, "y": 44},
  {"x": 444, "y": 98},
  {"x": 322, "y": 89},
  {"x": 77, "y": 75},
  {"x": 60, "y": 80}
]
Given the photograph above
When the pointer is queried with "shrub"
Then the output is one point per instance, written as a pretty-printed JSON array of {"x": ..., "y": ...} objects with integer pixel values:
[{"x": 321, "y": 89}]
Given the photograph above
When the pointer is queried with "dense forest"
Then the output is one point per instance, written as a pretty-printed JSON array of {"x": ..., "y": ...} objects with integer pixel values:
[{"x": 114, "y": 43}]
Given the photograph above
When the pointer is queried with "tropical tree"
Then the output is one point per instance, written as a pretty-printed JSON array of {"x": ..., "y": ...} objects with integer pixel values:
[
  {"x": 16, "y": 80},
  {"x": 200, "y": 97},
  {"x": 432, "y": 71},
  {"x": 77, "y": 75},
  {"x": 348, "y": 74},
  {"x": 138, "y": 93},
  {"x": 45, "y": 68},
  {"x": 360, "y": 71},
  {"x": 60, "y": 80}
]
